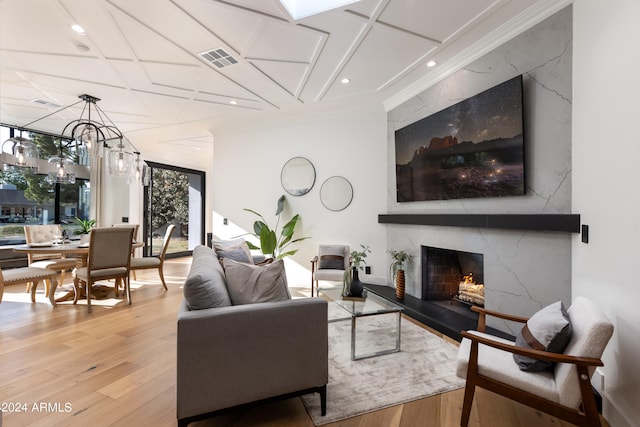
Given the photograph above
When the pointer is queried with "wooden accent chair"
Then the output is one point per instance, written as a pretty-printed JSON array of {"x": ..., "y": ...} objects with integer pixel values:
[
  {"x": 55, "y": 261},
  {"x": 109, "y": 258},
  {"x": 564, "y": 392},
  {"x": 330, "y": 264},
  {"x": 155, "y": 262},
  {"x": 31, "y": 276}
]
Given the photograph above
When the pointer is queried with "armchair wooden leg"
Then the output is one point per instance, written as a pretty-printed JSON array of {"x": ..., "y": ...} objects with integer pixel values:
[
  {"x": 588, "y": 400},
  {"x": 161, "y": 273}
]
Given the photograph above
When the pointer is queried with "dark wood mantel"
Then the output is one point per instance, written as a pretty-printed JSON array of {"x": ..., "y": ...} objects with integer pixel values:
[{"x": 569, "y": 223}]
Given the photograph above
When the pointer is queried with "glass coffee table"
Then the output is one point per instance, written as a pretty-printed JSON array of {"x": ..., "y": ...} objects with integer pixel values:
[{"x": 370, "y": 305}]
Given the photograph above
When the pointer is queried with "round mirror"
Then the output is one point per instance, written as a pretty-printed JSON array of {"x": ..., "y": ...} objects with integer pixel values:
[
  {"x": 298, "y": 176},
  {"x": 336, "y": 193}
]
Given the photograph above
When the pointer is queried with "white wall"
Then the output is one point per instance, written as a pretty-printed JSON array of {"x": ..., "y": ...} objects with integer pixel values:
[
  {"x": 246, "y": 174},
  {"x": 606, "y": 176}
]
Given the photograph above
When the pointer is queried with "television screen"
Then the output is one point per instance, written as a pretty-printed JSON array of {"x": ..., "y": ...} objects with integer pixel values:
[{"x": 474, "y": 148}]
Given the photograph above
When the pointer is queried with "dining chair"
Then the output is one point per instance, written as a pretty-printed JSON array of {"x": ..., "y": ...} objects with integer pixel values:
[
  {"x": 136, "y": 228},
  {"x": 109, "y": 258},
  {"x": 155, "y": 261},
  {"x": 42, "y": 234},
  {"x": 32, "y": 276}
]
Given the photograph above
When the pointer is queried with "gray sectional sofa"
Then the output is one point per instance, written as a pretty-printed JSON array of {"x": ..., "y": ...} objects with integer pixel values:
[{"x": 231, "y": 355}]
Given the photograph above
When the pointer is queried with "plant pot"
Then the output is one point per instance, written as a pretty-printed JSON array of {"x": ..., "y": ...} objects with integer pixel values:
[
  {"x": 400, "y": 284},
  {"x": 355, "y": 288},
  {"x": 84, "y": 238}
]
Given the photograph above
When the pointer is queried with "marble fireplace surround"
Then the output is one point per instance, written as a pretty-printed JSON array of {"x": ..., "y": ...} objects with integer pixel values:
[{"x": 524, "y": 268}]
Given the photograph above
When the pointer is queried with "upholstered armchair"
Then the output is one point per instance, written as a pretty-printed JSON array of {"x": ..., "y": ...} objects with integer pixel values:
[
  {"x": 563, "y": 390},
  {"x": 330, "y": 264}
]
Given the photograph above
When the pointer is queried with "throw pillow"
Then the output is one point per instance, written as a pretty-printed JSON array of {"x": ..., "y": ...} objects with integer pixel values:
[
  {"x": 248, "y": 283},
  {"x": 205, "y": 285},
  {"x": 232, "y": 248},
  {"x": 549, "y": 330},
  {"x": 331, "y": 257},
  {"x": 236, "y": 254}
]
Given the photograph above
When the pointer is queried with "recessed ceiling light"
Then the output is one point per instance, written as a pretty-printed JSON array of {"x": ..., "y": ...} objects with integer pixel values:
[
  {"x": 233, "y": 102},
  {"x": 431, "y": 63},
  {"x": 345, "y": 80},
  {"x": 78, "y": 29}
]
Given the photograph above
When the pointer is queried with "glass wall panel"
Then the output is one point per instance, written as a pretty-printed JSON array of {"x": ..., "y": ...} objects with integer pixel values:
[{"x": 174, "y": 196}]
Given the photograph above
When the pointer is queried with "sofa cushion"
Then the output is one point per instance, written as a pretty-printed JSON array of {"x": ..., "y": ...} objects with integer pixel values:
[
  {"x": 236, "y": 249},
  {"x": 205, "y": 286},
  {"x": 548, "y": 330},
  {"x": 248, "y": 283}
]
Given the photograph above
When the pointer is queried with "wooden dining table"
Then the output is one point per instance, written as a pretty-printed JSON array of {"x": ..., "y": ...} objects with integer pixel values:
[{"x": 68, "y": 249}]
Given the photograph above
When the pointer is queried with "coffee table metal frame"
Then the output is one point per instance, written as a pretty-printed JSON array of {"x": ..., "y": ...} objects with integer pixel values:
[{"x": 373, "y": 305}]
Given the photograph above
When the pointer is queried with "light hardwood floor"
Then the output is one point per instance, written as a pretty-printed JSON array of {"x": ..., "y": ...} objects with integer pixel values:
[{"x": 117, "y": 367}]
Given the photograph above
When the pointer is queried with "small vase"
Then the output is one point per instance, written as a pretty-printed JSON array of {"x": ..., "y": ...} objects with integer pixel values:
[
  {"x": 355, "y": 288},
  {"x": 400, "y": 284}
]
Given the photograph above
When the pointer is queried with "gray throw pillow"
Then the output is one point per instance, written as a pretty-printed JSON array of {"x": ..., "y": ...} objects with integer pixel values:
[
  {"x": 248, "y": 283},
  {"x": 237, "y": 254},
  {"x": 205, "y": 286},
  {"x": 222, "y": 248},
  {"x": 548, "y": 330}
]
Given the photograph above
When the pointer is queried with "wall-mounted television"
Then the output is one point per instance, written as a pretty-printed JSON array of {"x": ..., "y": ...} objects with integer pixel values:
[{"x": 472, "y": 149}]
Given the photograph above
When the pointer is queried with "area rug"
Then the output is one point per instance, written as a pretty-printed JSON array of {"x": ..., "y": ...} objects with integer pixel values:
[{"x": 425, "y": 366}]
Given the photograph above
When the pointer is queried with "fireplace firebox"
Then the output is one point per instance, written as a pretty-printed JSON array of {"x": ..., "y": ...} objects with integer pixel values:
[{"x": 449, "y": 274}]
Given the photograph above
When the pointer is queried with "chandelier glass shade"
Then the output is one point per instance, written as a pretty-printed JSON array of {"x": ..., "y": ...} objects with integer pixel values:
[
  {"x": 20, "y": 153},
  {"x": 120, "y": 161},
  {"x": 64, "y": 170}
]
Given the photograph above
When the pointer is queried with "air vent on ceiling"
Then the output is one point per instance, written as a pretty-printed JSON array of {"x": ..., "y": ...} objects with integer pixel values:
[
  {"x": 46, "y": 103},
  {"x": 219, "y": 57}
]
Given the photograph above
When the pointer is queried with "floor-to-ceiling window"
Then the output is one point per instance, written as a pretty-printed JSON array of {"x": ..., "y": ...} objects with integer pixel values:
[
  {"x": 174, "y": 196},
  {"x": 29, "y": 196}
]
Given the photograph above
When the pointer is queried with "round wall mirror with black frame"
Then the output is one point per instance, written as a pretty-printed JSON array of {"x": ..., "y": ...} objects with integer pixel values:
[
  {"x": 298, "y": 176},
  {"x": 336, "y": 193}
]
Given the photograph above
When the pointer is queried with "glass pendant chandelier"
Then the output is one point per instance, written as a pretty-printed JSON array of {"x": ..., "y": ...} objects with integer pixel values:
[{"x": 93, "y": 134}]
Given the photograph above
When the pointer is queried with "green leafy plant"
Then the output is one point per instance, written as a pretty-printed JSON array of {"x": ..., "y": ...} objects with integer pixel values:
[
  {"x": 85, "y": 225},
  {"x": 399, "y": 258},
  {"x": 357, "y": 258},
  {"x": 271, "y": 242}
]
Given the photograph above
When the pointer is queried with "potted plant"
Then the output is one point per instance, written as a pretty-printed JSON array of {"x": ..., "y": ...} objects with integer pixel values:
[
  {"x": 271, "y": 242},
  {"x": 397, "y": 270},
  {"x": 85, "y": 228},
  {"x": 352, "y": 286}
]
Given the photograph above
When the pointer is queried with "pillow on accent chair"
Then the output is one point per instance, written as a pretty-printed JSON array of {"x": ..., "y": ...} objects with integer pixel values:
[
  {"x": 248, "y": 284},
  {"x": 331, "y": 257},
  {"x": 550, "y": 330},
  {"x": 236, "y": 249}
]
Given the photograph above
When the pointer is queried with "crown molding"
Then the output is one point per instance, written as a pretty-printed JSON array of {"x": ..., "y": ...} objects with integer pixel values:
[{"x": 519, "y": 24}]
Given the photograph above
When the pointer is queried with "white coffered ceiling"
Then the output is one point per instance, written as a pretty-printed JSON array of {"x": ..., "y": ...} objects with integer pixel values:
[{"x": 142, "y": 58}]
